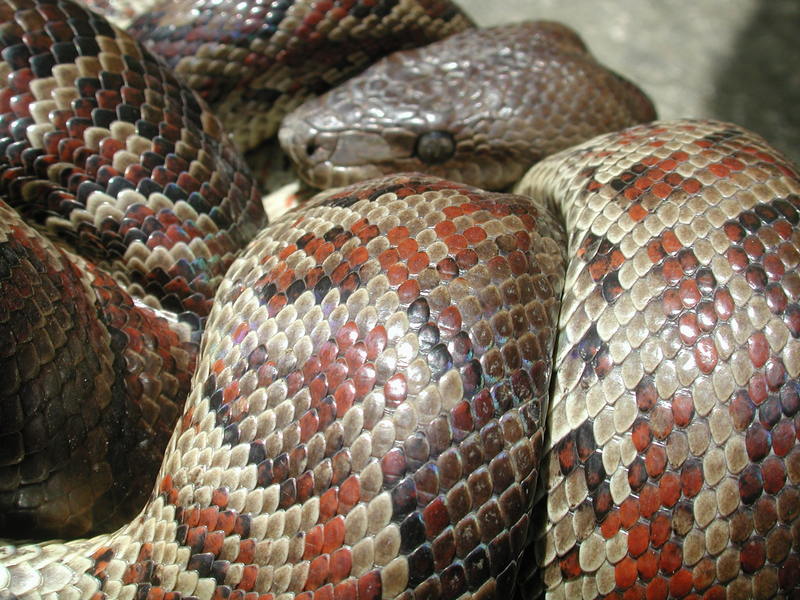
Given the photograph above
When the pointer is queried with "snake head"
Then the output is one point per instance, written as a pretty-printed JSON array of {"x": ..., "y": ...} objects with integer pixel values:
[{"x": 479, "y": 107}]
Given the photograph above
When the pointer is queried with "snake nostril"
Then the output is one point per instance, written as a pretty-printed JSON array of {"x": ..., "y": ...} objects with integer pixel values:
[{"x": 311, "y": 147}]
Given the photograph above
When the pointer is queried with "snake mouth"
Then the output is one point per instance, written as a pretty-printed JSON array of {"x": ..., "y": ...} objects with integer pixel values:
[{"x": 325, "y": 159}]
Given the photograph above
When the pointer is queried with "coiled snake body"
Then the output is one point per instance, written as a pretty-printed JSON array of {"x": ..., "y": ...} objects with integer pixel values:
[{"x": 372, "y": 404}]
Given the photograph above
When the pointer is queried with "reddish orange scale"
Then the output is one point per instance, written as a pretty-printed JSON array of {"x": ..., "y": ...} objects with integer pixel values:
[
  {"x": 752, "y": 555},
  {"x": 691, "y": 185},
  {"x": 369, "y": 586},
  {"x": 705, "y": 354},
  {"x": 655, "y": 463},
  {"x": 219, "y": 497},
  {"x": 397, "y": 274},
  {"x": 214, "y": 542},
  {"x": 376, "y": 341},
  {"x": 637, "y": 212},
  {"x": 672, "y": 271},
  {"x": 408, "y": 291},
  {"x": 387, "y": 258},
  {"x": 690, "y": 293},
  {"x": 323, "y": 251},
  {"x": 523, "y": 239},
  {"x": 682, "y": 408},
  {"x": 347, "y": 335},
  {"x": 783, "y": 438},
  {"x": 407, "y": 248},
  {"x": 346, "y": 590},
  {"x": 444, "y": 228},
  {"x": 758, "y": 349},
  {"x": 641, "y": 434},
  {"x": 660, "y": 530},
  {"x": 451, "y": 212},
  {"x": 358, "y": 256},
  {"x": 688, "y": 328},
  {"x": 368, "y": 233},
  {"x": 670, "y": 242},
  {"x": 625, "y": 572},
  {"x": 719, "y": 170},
  {"x": 324, "y": 593},
  {"x": 436, "y": 517},
  {"x": 671, "y": 558},
  {"x": 662, "y": 190},
  {"x": 647, "y": 565},
  {"x": 418, "y": 262},
  {"x": 349, "y": 494},
  {"x": 671, "y": 303},
  {"x": 208, "y": 517},
  {"x": 309, "y": 423},
  {"x": 629, "y": 512},
  {"x": 638, "y": 539},
  {"x": 598, "y": 267},
  {"x": 649, "y": 501},
  {"x": 313, "y": 542},
  {"x": 466, "y": 259},
  {"x": 456, "y": 242},
  {"x": 346, "y": 392},
  {"x": 339, "y": 273},
  {"x": 231, "y": 392},
  {"x": 340, "y": 565},
  {"x": 680, "y": 584},
  {"x": 610, "y": 525},
  {"x": 334, "y": 534},
  {"x": 395, "y": 390},
  {"x": 757, "y": 388},
  {"x": 475, "y": 234},
  {"x": 397, "y": 234},
  {"x": 317, "y": 572},
  {"x": 570, "y": 565}
]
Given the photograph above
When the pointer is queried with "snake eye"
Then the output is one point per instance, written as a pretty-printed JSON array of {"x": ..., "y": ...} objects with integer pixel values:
[{"x": 435, "y": 146}]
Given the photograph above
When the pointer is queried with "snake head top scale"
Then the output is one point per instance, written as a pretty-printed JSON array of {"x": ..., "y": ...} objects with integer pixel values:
[
  {"x": 255, "y": 61},
  {"x": 480, "y": 107}
]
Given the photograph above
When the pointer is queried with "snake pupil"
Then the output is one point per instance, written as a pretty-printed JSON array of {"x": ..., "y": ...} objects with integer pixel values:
[{"x": 435, "y": 147}]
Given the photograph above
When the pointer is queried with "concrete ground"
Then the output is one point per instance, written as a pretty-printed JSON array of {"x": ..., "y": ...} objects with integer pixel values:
[{"x": 736, "y": 60}]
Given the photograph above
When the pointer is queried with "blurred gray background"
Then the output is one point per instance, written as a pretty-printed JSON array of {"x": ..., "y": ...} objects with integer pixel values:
[{"x": 736, "y": 60}]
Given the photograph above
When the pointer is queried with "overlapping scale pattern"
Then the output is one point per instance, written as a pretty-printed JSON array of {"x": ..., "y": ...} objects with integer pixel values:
[
  {"x": 100, "y": 143},
  {"x": 366, "y": 418},
  {"x": 256, "y": 61},
  {"x": 480, "y": 107},
  {"x": 671, "y": 466},
  {"x": 70, "y": 334},
  {"x": 103, "y": 148}
]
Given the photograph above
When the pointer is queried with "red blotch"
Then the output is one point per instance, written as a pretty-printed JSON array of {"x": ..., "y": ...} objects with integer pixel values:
[
  {"x": 625, "y": 572},
  {"x": 680, "y": 584},
  {"x": 647, "y": 565},
  {"x": 334, "y": 534},
  {"x": 671, "y": 558},
  {"x": 682, "y": 408},
  {"x": 638, "y": 539},
  {"x": 660, "y": 530},
  {"x": 705, "y": 354}
]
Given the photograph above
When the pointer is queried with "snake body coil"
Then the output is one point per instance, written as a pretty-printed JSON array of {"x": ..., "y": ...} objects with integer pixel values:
[{"x": 371, "y": 405}]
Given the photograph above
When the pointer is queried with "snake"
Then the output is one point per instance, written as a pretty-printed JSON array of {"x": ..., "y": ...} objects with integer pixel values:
[{"x": 371, "y": 406}]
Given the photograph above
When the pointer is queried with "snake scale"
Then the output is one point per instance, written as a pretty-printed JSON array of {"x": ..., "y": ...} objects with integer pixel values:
[{"x": 370, "y": 412}]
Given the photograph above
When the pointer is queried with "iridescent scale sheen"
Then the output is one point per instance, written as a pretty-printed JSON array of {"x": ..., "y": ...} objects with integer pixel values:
[
  {"x": 320, "y": 455},
  {"x": 105, "y": 150},
  {"x": 671, "y": 466},
  {"x": 256, "y": 61}
]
